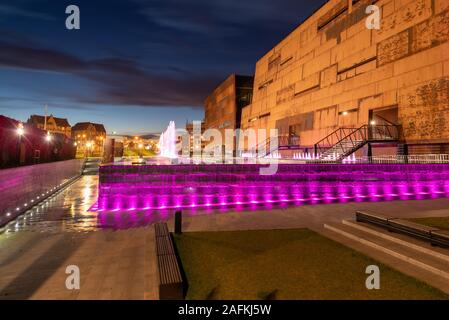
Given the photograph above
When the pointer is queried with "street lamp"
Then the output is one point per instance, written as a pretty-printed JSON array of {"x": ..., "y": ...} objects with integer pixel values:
[
  {"x": 88, "y": 146},
  {"x": 20, "y": 130},
  {"x": 102, "y": 145},
  {"x": 140, "y": 146},
  {"x": 20, "y": 133},
  {"x": 48, "y": 137}
]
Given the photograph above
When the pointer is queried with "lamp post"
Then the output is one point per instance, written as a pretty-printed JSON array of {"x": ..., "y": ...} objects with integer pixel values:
[
  {"x": 102, "y": 146},
  {"x": 88, "y": 147},
  {"x": 140, "y": 146},
  {"x": 20, "y": 133}
]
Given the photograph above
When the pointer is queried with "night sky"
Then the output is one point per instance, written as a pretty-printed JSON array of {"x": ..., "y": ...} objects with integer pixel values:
[{"x": 134, "y": 65}]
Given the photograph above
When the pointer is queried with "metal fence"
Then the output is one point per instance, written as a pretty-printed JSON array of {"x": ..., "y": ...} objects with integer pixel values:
[{"x": 425, "y": 158}]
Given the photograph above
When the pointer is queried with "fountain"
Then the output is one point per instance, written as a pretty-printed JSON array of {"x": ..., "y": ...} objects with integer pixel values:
[
  {"x": 226, "y": 186},
  {"x": 167, "y": 142}
]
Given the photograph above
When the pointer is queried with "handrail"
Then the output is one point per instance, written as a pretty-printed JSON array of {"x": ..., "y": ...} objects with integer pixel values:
[
  {"x": 334, "y": 133},
  {"x": 332, "y": 139},
  {"x": 357, "y": 137}
]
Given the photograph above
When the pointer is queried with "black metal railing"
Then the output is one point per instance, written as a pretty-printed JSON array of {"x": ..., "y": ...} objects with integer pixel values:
[
  {"x": 348, "y": 140},
  {"x": 332, "y": 139}
]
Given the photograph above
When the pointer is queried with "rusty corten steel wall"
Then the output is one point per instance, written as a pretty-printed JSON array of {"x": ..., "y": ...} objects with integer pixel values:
[
  {"x": 18, "y": 186},
  {"x": 60, "y": 147}
]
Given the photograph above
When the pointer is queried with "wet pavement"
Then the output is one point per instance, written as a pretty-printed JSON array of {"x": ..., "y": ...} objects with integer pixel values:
[
  {"x": 36, "y": 249},
  {"x": 115, "y": 250},
  {"x": 66, "y": 211}
]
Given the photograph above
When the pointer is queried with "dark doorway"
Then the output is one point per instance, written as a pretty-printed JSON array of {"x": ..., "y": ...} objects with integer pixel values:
[{"x": 384, "y": 116}]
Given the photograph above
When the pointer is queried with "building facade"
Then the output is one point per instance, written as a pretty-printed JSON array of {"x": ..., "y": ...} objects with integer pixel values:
[
  {"x": 334, "y": 72},
  {"x": 200, "y": 143},
  {"x": 51, "y": 124},
  {"x": 223, "y": 108},
  {"x": 90, "y": 138}
]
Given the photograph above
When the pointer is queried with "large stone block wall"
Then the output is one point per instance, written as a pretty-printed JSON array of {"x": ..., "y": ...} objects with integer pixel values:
[
  {"x": 220, "y": 106},
  {"x": 335, "y": 67}
]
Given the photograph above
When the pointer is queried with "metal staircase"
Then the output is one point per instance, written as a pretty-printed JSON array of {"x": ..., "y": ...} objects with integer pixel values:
[
  {"x": 282, "y": 143},
  {"x": 345, "y": 141}
]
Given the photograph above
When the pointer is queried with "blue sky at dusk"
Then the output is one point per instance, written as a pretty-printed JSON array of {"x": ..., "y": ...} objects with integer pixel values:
[{"x": 135, "y": 64}]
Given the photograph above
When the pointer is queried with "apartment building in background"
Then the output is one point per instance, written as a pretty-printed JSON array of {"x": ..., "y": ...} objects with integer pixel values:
[
  {"x": 89, "y": 138},
  {"x": 51, "y": 124}
]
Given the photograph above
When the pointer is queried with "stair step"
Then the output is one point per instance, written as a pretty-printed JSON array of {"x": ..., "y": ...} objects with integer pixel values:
[
  {"x": 404, "y": 240},
  {"x": 426, "y": 259}
]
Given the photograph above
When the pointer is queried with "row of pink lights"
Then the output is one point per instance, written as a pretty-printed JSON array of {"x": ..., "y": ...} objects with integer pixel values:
[
  {"x": 298, "y": 184},
  {"x": 374, "y": 197}
]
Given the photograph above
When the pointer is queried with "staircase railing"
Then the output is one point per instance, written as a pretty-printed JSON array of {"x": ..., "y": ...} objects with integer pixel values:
[
  {"x": 349, "y": 139},
  {"x": 332, "y": 139}
]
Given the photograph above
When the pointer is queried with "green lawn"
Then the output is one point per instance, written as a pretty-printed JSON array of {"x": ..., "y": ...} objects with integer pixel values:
[
  {"x": 285, "y": 264},
  {"x": 440, "y": 223}
]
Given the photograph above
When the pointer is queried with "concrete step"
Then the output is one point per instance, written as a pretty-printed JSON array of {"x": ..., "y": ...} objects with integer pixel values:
[
  {"x": 92, "y": 166},
  {"x": 410, "y": 256},
  {"x": 402, "y": 239}
]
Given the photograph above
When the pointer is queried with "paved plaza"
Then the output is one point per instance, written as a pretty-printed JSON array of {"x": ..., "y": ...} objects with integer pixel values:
[{"x": 119, "y": 263}]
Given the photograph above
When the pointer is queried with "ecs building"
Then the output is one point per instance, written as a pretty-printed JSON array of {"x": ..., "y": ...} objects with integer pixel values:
[{"x": 333, "y": 72}]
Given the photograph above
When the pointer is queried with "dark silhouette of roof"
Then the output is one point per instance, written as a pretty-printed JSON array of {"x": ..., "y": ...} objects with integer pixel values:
[
  {"x": 99, "y": 127},
  {"x": 83, "y": 126},
  {"x": 60, "y": 122}
]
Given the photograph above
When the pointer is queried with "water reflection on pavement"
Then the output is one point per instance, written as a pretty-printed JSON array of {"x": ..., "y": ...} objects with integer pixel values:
[{"x": 69, "y": 211}]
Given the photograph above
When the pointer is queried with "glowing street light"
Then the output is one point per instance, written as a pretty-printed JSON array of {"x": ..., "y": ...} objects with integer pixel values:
[
  {"x": 89, "y": 145},
  {"x": 20, "y": 130},
  {"x": 48, "y": 137},
  {"x": 20, "y": 133}
]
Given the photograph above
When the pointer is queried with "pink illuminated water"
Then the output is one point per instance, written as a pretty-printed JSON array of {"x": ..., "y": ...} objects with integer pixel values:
[{"x": 152, "y": 188}]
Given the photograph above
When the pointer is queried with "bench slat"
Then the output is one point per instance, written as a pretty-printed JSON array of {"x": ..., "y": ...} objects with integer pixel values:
[
  {"x": 164, "y": 246},
  {"x": 170, "y": 279},
  {"x": 412, "y": 227},
  {"x": 169, "y": 270},
  {"x": 441, "y": 236},
  {"x": 371, "y": 217},
  {"x": 161, "y": 230}
]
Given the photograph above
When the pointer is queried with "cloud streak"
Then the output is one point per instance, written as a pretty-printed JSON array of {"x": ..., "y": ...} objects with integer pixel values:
[{"x": 119, "y": 81}]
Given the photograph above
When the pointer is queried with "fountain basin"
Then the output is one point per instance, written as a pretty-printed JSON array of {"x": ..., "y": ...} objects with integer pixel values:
[{"x": 161, "y": 187}]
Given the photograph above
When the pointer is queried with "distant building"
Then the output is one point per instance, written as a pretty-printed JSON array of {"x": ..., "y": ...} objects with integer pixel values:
[
  {"x": 89, "y": 137},
  {"x": 189, "y": 129},
  {"x": 51, "y": 124},
  {"x": 223, "y": 108},
  {"x": 31, "y": 145}
]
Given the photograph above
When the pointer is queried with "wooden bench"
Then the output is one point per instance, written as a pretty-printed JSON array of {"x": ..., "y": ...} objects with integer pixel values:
[
  {"x": 171, "y": 286},
  {"x": 410, "y": 228},
  {"x": 440, "y": 238},
  {"x": 371, "y": 217},
  {"x": 433, "y": 235}
]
